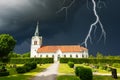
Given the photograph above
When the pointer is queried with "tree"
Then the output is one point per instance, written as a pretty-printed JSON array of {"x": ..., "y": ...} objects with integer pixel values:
[
  {"x": 26, "y": 54},
  {"x": 99, "y": 55},
  {"x": 14, "y": 55},
  {"x": 7, "y": 44}
]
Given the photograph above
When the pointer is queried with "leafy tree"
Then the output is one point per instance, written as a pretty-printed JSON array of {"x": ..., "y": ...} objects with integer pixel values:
[
  {"x": 91, "y": 56},
  {"x": 7, "y": 44},
  {"x": 26, "y": 54},
  {"x": 99, "y": 55},
  {"x": 14, "y": 55}
]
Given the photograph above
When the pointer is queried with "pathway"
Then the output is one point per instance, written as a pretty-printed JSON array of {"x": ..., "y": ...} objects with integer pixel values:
[{"x": 48, "y": 74}]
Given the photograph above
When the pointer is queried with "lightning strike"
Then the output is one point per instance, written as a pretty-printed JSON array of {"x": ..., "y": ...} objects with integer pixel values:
[
  {"x": 94, "y": 26},
  {"x": 66, "y": 8}
]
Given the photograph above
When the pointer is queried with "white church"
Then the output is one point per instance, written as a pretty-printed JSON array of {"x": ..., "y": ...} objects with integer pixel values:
[{"x": 55, "y": 51}]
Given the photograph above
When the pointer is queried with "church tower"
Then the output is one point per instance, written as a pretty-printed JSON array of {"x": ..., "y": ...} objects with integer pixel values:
[{"x": 36, "y": 42}]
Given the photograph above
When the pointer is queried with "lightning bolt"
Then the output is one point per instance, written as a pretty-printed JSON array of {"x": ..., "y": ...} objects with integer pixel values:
[
  {"x": 66, "y": 8},
  {"x": 93, "y": 26}
]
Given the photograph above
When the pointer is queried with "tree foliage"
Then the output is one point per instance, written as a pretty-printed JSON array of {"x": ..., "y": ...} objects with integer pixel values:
[
  {"x": 7, "y": 44},
  {"x": 26, "y": 54}
]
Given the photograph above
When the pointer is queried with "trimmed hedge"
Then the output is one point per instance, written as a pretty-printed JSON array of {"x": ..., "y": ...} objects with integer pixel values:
[
  {"x": 6, "y": 73},
  {"x": 88, "y": 60},
  {"x": 27, "y": 60},
  {"x": 71, "y": 64},
  {"x": 27, "y": 67},
  {"x": 77, "y": 70},
  {"x": 84, "y": 73}
]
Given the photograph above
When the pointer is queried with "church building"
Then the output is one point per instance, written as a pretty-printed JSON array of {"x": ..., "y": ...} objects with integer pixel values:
[{"x": 55, "y": 51}]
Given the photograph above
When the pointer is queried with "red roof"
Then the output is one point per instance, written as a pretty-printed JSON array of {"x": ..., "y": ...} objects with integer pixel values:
[{"x": 63, "y": 48}]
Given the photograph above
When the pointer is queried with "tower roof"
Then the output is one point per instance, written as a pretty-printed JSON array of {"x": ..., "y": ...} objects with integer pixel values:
[{"x": 37, "y": 29}]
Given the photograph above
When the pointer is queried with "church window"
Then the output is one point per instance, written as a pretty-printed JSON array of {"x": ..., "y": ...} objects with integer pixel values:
[
  {"x": 82, "y": 55},
  {"x": 46, "y": 55},
  {"x": 76, "y": 56},
  {"x": 40, "y": 55},
  {"x": 35, "y": 42},
  {"x": 70, "y": 55},
  {"x": 65, "y": 56},
  {"x": 53, "y": 56}
]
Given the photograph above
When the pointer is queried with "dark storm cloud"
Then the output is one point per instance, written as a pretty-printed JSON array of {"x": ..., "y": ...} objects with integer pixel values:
[{"x": 18, "y": 17}]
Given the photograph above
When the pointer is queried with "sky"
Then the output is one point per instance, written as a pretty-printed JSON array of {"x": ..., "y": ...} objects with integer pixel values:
[{"x": 61, "y": 23}]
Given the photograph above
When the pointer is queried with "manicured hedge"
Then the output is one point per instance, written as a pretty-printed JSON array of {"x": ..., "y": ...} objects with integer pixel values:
[
  {"x": 26, "y": 60},
  {"x": 27, "y": 67},
  {"x": 84, "y": 73},
  {"x": 71, "y": 64},
  {"x": 87, "y": 60},
  {"x": 6, "y": 73}
]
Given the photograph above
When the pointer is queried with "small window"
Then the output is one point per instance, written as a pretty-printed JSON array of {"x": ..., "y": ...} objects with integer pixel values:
[
  {"x": 40, "y": 55},
  {"x": 82, "y": 55},
  {"x": 65, "y": 56},
  {"x": 35, "y": 42},
  {"x": 53, "y": 56},
  {"x": 76, "y": 56},
  {"x": 71, "y": 56},
  {"x": 46, "y": 55}
]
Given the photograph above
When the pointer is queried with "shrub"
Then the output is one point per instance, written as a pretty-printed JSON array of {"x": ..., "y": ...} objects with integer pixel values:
[
  {"x": 26, "y": 60},
  {"x": 116, "y": 65},
  {"x": 6, "y": 73},
  {"x": 103, "y": 67},
  {"x": 108, "y": 69},
  {"x": 77, "y": 70},
  {"x": 21, "y": 69},
  {"x": 71, "y": 64},
  {"x": 85, "y": 74},
  {"x": 88, "y": 60},
  {"x": 33, "y": 65}
]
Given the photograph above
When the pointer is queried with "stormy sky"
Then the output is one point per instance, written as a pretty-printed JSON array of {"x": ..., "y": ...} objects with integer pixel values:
[{"x": 19, "y": 18}]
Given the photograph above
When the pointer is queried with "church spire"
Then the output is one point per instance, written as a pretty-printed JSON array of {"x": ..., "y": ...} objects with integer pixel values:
[{"x": 37, "y": 29}]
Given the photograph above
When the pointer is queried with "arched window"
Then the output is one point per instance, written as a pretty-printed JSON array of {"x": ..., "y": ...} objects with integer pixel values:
[
  {"x": 65, "y": 56},
  {"x": 71, "y": 56},
  {"x": 53, "y": 56},
  {"x": 35, "y": 42},
  {"x": 76, "y": 56},
  {"x": 46, "y": 55},
  {"x": 40, "y": 55},
  {"x": 82, "y": 55}
]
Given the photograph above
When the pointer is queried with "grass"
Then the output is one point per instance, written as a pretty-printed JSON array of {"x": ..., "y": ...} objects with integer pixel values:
[
  {"x": 64, "y": 68},
  {"x": 26, "y": 76},
  {"x": 69, "y": 77}
]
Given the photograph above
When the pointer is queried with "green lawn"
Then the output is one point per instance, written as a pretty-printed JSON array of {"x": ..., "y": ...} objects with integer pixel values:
[
  {"x": 26, "y": 76},
  {"x": 65, "y": 73},
  {"x": 69, "y": 77},
  {"x": 64, "y": 68}
]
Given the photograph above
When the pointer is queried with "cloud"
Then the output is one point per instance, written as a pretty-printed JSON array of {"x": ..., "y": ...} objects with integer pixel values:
[{"x": 23, "y": 47}]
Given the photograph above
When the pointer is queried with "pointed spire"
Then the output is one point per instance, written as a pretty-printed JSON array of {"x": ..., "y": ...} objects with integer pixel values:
[{"x": 37, "y": 29}]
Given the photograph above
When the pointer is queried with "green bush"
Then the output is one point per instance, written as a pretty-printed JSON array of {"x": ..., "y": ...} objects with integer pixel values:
[
  {"x": 108, "y": 69},
  {"x": 6, "y": 73},
  {"x": 27, "y": 60},
  {"x": 71, "y": 64},
  {"x": 85, "y": 74},
  {"x": 21, "y": 69},
  {"x": 27, "y": 67},
  {"x": 103, "y": 67},
  {"x": 88, "y": 60},
  {"x": 116, "y": 65},
  {"x": 77, "y": 70}
]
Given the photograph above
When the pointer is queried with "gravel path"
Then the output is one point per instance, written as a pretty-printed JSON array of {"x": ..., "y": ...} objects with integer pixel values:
[{"x": 48, "y": 74}]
